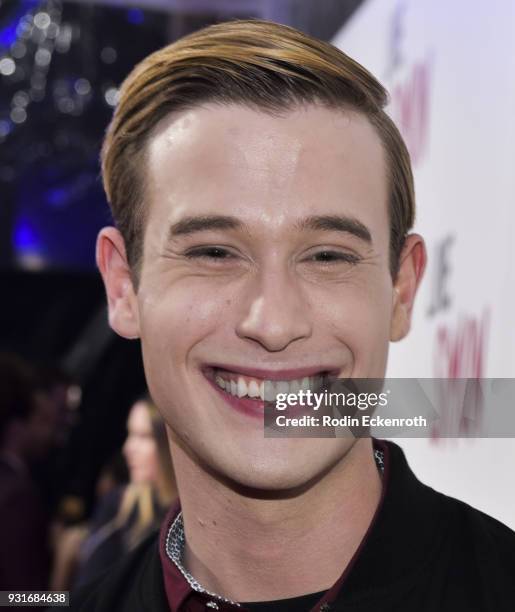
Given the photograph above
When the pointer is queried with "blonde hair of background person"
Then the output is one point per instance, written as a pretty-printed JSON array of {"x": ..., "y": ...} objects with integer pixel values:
[{"x": 143, "y": 495}]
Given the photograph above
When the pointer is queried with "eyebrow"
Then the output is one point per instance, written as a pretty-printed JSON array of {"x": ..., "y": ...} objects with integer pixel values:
[
  {"x": 329, "y": 223},
  {"x": 193, "y": 225},
  {"x": 336, "y": 223}
]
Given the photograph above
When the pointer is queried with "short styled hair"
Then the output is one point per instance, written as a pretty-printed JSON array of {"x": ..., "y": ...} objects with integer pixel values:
[{"x": 260, "y": 64}]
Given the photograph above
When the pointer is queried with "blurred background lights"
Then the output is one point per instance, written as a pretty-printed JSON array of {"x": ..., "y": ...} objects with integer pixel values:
[
  {"x": 52, "y": 30},
  {"x": 18, "y": 114},
  {"x": 43, "y": 57},
  {"x": 24, "y": 28},
  {"x": 18, "y": 50},
  {"x": 5, "y": 128},
  {"x": 42, "y": 20},
  {"x": 65, "y": 105},
  {"x": 64, "y": 38},
  {"x": 111, "y": 96},
  {"x": 26, "y": 237},
  {"x": 82, "y": 87},
  {"x": 7, "y": 66},
  {"x": 135, "y": 16},
  {"x": 108, "y": 55},
  {"x": 21, "y": 98},
  {"x": 60, "y": 62}
]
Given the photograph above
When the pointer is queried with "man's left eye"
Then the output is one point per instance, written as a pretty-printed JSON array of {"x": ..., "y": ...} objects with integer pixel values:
[{"x": 334, "y": 257}]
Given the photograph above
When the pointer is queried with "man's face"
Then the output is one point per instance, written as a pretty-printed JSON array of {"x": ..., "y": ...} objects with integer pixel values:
[{"x": 266, "y": 257}]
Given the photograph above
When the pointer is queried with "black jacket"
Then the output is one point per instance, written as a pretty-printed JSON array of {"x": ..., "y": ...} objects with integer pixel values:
[{"x": 425, "y": 552}]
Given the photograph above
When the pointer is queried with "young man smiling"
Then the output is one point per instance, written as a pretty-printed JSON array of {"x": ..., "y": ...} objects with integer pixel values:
[{"x": 263, "y": 202}]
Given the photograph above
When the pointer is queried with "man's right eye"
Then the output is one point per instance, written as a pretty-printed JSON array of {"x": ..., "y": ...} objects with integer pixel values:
[{"x": 209, "y": 253}]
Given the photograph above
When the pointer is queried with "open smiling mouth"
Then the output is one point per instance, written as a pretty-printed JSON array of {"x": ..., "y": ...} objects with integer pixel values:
[{"x": 248, "y": 393}]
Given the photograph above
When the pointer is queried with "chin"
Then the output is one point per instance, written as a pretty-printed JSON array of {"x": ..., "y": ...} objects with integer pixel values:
[{"x": 299, "y": 467}]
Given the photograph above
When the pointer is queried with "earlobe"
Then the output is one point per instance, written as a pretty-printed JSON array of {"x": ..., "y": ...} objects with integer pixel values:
[
  {"x": 121, "y": 297},
  {"x": 411, "y": 269}
]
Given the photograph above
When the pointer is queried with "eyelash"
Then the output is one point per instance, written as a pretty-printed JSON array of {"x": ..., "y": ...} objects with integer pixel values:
[
  {"x": 336, "y": 256},
  {"x": 207, "y": 252}
]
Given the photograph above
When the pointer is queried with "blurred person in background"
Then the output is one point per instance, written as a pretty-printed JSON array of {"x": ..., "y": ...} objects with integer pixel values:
[
  {"x": 125, "y": 515},
  {"x": 50, "y": 472},
  {"x": 29, "y": 421},
  {"x": 68, "y": 537},
  {"x": 113, "y": 476}
]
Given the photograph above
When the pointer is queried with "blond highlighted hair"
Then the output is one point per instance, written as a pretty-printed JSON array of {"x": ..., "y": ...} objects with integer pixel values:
[{"x": 263, "y": 65}]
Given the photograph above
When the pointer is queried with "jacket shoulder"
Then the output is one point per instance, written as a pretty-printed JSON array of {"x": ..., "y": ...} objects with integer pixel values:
[
  {"x": 490, "y": 543},
  {"x": 134, "y": 583},
  {"x": 483, "y": 525}
]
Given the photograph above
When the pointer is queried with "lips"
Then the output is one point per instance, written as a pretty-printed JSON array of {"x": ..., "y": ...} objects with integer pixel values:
[{"x": 273, "y": 374}]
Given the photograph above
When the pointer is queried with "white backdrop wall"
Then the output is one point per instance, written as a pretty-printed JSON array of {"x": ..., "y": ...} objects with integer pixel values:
[{"x": 450, "y": 71}]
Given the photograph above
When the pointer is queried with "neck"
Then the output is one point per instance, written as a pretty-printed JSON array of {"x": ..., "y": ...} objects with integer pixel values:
[{"x": 244, "y": 548}]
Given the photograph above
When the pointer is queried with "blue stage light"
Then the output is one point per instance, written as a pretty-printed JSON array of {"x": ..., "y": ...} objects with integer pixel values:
[{"x": 135, "y": 16}]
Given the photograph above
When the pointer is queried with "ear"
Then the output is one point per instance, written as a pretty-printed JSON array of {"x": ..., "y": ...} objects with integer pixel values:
[
  {"x": 121, "y": 297},
  {"x": 411, "y": 269}
]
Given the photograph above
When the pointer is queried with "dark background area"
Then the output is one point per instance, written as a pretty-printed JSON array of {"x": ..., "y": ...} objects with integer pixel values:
[{"x": 60, "y": 66}]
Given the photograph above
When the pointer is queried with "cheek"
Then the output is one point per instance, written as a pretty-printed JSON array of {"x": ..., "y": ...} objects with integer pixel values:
[
  {"x": 170, "y": 329},
  {"x": 358, "y": 316},
  {"x": 175, "y": 320}
]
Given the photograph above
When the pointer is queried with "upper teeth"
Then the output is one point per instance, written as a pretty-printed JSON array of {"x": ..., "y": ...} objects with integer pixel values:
[{"x": 265, "y": 390}]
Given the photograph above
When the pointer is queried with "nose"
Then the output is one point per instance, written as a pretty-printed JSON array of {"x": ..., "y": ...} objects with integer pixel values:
[{"x": 276, "y": 311}]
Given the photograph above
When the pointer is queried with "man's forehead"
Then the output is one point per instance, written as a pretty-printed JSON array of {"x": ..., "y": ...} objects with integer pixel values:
[
  {"x": 244, "y": 136},
  {"x": 239, "y": 161}
]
